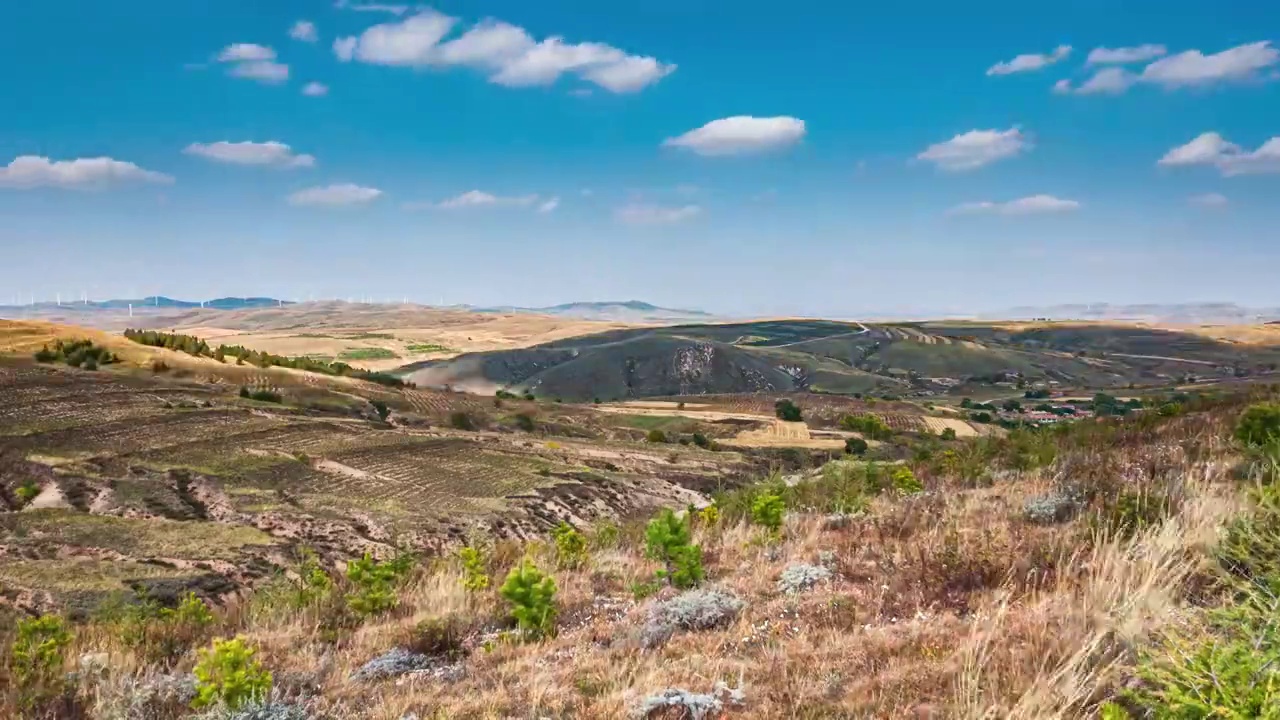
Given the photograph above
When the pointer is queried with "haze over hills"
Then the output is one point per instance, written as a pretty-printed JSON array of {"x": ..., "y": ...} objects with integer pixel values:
[
  {"x": 620, "y": 311},
  {"x": 1180, "y": 313}
]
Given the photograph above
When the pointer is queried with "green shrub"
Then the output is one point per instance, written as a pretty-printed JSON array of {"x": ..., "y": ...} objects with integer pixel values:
[
  {"x": 27, "y": 491},
  {"x": 668, "y": 540},
  {"x": 870, "y": 425},
  {"x": 374, "y": 585},
  {"x": 787, "y": 410},
  {"x": 855, "y": 446},
  {"x": 1259, "y": 425},
  {"x": 461, "y": 421},
  {"x": 228, "y": 675},
  {"x": 475, "y": 576},
  {"x": 313, "y": 582},
  {"x": 701, "y": 441},
  {"x": 571, "y": 546},
  {"x": 1227, "y": 669},
  {"x": 656, "y": 436},
  {"x": 1132, "y": 511},
  {"x": 532, "y": 595},
  {"x": 768, "y": 510},
  {"x": 948, "y": 434},
  {"x": 381, "y": 408},
  {"x": 525, "y": 423},
  {"x": 905, "y": 481},
  {"x": 37, "y": 657}
]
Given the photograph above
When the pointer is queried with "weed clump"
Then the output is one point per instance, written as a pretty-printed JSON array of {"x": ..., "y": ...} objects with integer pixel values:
[
  {"x": 692, "y": 610},
  {"x": 1055, "y": 507},
  {"x": 798, "y": 577}
]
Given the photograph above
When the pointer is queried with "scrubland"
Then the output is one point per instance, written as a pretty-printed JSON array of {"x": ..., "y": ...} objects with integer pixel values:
[{"x": 1112, "y": 568}]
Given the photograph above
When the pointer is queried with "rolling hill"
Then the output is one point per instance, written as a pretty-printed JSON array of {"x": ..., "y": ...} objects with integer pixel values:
[{"x": 846, "y": 358}]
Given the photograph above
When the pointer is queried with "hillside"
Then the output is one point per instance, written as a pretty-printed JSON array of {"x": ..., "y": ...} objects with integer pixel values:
[
  {"x": 1015, "y": 577},
  {"x": 826, "y": 356}
]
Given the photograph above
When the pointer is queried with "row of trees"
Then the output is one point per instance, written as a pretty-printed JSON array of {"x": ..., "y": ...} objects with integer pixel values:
[{"x": 244, "y": 356}]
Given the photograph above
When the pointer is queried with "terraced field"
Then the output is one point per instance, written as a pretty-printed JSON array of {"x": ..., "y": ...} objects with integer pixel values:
[{"x": 128, "y": 481}]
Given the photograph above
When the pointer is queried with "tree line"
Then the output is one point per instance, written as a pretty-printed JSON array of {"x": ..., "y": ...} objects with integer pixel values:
[{"x": 244, "y": 356}]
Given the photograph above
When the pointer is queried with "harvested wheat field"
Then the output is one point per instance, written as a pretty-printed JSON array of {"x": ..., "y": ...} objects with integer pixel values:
[{"x": 778, "y": 433}]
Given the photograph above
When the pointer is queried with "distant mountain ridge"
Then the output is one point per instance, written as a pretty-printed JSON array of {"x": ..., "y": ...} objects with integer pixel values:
[
  {"x": 154, "y": 301},
  {"x": 621, "y": 310}
]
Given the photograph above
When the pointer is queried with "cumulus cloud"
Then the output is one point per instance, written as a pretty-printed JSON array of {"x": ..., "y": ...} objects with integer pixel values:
[
  {"x": 272, "y": 153},
  {"x": 740, "y": 134},
  {"x": 1031, "y": 205},
  {"x": 1212, "y": 149},
  {"x": 1195, "y": 68},
  {"x": 345, "y": 194},
  {"x": 1029, "y": 62},
  {"x": 246, "y": 52},
  {"x": 255, "y": 62},
  {"x": 1186, "y": 69},
  {"x": 645, "y": 214},
  {"x": 1125, "y": 55},
  {"x": 1208, "y": 200},
  {"x": 506, "y": 53},
  {"x": 315, "y": 89},
  {"x": 305, "y": 31},
  {"x": 975, "y": 149},
  {"x": 549, "y": 205},
  {"x": 30, "y": 171}
]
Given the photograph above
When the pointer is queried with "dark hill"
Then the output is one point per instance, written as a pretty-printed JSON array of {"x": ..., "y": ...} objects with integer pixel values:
[{"x": 836, "y": 357}]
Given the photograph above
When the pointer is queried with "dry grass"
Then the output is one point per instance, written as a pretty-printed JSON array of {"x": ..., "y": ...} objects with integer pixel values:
[{"x": 944, "y": 604}]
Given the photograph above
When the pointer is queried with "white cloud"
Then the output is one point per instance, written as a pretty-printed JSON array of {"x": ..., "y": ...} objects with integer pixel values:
[
  {"x": 266, "y": 72},
  {"x": 479, "y": 198},
  {"x": 305, "y": 31},
  {"x": 975, "y": 149},
  {"x": 271, "y": 153},
  {"x": 643, "y": 214},
  {"x": 335, "y": 195},
  {"x": 345, "y": 48},
  {"x": 740, "y": 134},
  {"x": 372, "y": 7},
  {"x": 1209, "y": 200},
  {"x": 1032, "y": 205},
  {"x": 549, "y": 205},
  {"x": 508, "y": 54},
  {"x": 255, "y": 62},
  {"x": 315, "y": 89},
  {"x": 1107, "y": 81},
  {"x": 1124, "y": 55},
  {"x": 1029, "y": 62},
  {"x": 1195, "y": 68},
  {"x": 1212, "y": 149},
  {"x": 1186, "y": 69},
  {"x": 246, "y": 52},
  {"x": 31, "y": 171}
]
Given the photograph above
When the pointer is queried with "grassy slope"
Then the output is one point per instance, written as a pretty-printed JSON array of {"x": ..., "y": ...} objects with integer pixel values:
[{"x": 947, "y": 604}]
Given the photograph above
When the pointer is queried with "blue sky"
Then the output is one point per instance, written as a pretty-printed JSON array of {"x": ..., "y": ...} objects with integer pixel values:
[{"x": 814, "y": 158}]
